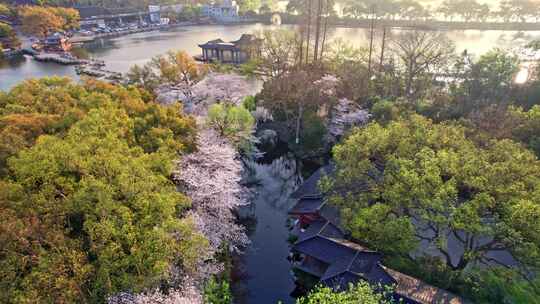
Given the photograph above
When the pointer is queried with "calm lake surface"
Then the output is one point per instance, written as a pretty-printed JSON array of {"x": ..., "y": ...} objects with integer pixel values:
[{"x": 122, "y": 52}]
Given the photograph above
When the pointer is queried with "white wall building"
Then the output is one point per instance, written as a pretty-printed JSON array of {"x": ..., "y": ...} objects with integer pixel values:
[{"x": 226, "y": 11}]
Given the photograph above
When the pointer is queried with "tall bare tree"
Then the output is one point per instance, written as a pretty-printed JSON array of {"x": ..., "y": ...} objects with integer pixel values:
[
  {"x": 309, "y": 15},
  {"x": 317, "y": 29},
  {"x": 420, "y": 54}
]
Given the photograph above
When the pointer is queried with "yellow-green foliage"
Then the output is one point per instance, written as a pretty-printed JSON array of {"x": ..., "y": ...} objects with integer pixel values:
[
  {"x": 234, "y": 122},
  {"x": 87, "y": 208},
  {"x": 361, "y": 293},
  {"x": 434, "y": 174}
]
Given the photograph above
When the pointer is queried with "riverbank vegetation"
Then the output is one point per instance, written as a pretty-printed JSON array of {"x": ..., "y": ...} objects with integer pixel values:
[{"x": 450, "y": 10}]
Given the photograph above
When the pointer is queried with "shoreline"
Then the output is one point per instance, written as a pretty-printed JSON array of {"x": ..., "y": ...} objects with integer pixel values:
[
  {"x": 437, "y": 25},
  {"x": 79, "y": 39}
]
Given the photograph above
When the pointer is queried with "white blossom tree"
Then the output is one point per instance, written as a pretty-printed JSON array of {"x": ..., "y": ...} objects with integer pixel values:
[
  {"x": 346, "y": 114},
  {"x": 211, "y": 177}
]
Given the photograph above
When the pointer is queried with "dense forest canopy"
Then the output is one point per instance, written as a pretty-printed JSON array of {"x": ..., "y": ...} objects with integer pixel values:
[{"x": 87, "y": 207}]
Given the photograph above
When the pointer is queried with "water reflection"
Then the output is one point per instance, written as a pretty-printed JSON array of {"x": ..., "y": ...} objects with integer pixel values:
[
  {"x": 268, "y": 271},
  {"x": 18, "y": 69},
  {"x": 12, "y": 62}
]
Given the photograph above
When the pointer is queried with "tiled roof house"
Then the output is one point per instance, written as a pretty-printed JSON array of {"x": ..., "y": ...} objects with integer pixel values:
[{"x": 323, "y": 251}]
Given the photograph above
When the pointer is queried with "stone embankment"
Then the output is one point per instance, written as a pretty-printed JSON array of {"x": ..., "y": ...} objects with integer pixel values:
[
  {"x": 64, "y": 59},
  {"x": 81, "y": 38}
]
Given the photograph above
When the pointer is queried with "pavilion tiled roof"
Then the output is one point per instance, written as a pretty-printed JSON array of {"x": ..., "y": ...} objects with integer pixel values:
[{"x": 322, "y": 228}]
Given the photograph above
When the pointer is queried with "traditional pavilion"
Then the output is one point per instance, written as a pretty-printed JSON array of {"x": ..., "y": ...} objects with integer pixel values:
[{"x": 235, "y": 52}]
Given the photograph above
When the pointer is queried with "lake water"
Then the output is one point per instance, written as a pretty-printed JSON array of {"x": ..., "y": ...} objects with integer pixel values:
[{"x": 122, "y": 52}]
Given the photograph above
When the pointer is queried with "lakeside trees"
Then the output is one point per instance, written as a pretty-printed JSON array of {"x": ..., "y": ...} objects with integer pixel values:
[
  {"x": 176, "y": 68},
  {"x": 89, "y": 210},
  {"x": 450, "y": 10},
  {"x": 43, "y": 20},
  {"x": 8, "y": 37}
]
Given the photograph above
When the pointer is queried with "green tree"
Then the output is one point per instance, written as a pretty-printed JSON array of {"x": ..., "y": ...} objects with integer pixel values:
[
  {"x": 361, "y": 293},
  {"x": 489, "y": 80},
  {"x": 8, "y": 37},
  {"x": 249, "y": 5},
  {"x": 414, "y": 181},
  {"x": 87, "y": 208},
  {"x": 143, "y": 76},
  {"x": 501, "y": 285},
  {"x": 4, "y": 10},
  {"x": 385, "y": 111},
  {"x": 52, "y": 105},
  {"x": 233, "y": 122},
  {"x": 249, "y": 103},
  {"x": 102, "y": 216},
  {"x": 217, "y": 292},
  {"x": 527, "y": 126}
]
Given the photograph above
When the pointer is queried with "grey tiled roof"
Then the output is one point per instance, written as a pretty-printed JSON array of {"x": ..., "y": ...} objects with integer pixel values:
[
  {"x": 322, "y": 228},
  {"x": 307, "y": 204},
  {"x": 310, "y": 186}
]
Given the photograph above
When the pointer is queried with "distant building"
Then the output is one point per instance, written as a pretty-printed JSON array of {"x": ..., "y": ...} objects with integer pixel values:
[
  {"x": 92, "y": 16},
  {"x": 226, "y": 11},
  {"x": 156, "y": 11},
  {"x": 56, "y": 43},
  {"x": 235, "y": 52}
]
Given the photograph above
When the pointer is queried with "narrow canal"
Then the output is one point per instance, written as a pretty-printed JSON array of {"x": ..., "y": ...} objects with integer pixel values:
[{"x": 268, "y": 272}]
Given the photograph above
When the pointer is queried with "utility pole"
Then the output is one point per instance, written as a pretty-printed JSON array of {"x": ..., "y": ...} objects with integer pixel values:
[
  {"x": 317, "y": 31},
  {"x": 326, "y": 15},
  {"x": 382, "y": 49},
  {"x": 308, "y": 31},
  {"x": 371, "y": 28}
]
